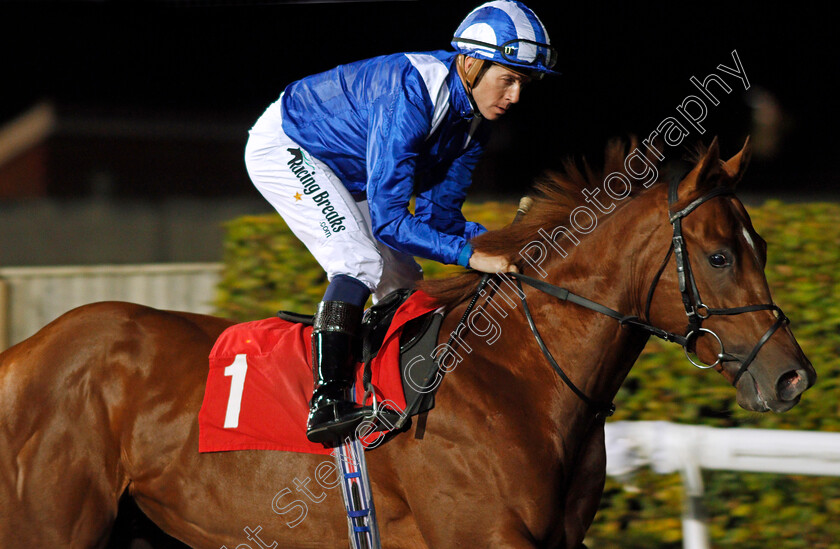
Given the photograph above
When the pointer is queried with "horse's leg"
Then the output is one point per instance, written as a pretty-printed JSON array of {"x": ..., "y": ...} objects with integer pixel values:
[
  {"x": 60, "y": 472},
  {"x": 134, "y": 530},
  {"x": 586, "y": 486}
]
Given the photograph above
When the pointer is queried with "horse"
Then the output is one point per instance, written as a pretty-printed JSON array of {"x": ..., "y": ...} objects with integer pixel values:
[{"x": 102, "y": 404}]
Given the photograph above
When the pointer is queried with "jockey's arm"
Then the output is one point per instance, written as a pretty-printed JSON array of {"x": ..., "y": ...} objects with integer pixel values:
[
  {"x": 396, "y": 134},
  {"x": 398, "y": 129},
  {"x": 488, "y": 263},
  {"x": 440, "y": 204}
]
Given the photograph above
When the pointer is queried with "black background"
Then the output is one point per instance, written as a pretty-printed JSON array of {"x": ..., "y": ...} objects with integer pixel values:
[{"x": 625, "y": 66}]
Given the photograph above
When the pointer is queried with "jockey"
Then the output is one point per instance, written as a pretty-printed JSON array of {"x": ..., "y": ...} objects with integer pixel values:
[{"x": 340, "y": 154}]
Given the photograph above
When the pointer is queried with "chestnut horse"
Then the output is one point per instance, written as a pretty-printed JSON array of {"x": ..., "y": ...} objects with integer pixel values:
[{"x": 103, "y": 402}]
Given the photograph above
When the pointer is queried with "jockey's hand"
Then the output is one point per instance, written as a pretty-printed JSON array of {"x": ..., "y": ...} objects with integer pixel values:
[{"x": 486, "y": 263}]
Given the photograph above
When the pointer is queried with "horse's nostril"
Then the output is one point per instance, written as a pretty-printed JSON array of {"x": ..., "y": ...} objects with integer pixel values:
[{"x": 789, "y": 385}]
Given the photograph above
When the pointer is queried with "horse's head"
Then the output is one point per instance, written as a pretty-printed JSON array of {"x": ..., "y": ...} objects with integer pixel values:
[{"x": 720, "y": 287}]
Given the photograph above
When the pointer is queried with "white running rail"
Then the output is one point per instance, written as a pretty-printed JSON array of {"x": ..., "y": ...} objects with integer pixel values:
[
  {"x": 669, "y": 448},
  {"x": 32, "y": 297}
]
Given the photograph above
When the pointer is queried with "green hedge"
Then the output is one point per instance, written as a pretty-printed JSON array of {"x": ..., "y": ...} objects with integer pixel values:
[{"x": 267, "y": 269}]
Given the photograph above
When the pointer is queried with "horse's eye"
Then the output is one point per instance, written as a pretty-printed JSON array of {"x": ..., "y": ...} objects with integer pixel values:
[{"x": 719, "y": 260}]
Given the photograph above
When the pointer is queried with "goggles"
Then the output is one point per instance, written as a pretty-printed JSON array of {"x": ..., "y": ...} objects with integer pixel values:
[{"x": 520, "y": 51}]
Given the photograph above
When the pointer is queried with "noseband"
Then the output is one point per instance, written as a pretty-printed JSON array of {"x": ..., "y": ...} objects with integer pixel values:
[{"x": 695, "y": 309}]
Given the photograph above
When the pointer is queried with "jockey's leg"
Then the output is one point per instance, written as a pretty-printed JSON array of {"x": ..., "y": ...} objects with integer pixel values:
[
  {"x": 333, "y": 413},
  {"x": 399, "y": 270},
  {"x": 335, "y": 227}
]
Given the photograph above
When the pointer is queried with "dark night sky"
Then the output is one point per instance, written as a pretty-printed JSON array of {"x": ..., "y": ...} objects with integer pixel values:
[{"x": 626, "y": 66}]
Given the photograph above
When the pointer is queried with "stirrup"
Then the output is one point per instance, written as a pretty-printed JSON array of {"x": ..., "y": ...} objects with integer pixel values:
[
  {"x": 382, "y": 418},
  {"x": 334, "y": 425}
]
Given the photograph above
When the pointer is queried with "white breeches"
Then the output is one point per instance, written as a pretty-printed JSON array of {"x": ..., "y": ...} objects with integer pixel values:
[{"x": 320, "y": 211}]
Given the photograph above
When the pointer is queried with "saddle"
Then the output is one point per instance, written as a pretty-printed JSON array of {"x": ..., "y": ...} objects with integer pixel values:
[
  {"x": 418, "y": 339},
  {"x": 259, "y": 380}
]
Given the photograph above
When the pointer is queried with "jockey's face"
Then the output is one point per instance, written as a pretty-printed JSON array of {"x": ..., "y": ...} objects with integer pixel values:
[{"x": 497, "y": 90}]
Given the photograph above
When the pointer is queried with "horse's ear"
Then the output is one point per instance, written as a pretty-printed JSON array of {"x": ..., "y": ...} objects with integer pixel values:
[
  {"x": 706, "y": 172},
  {"x": 737, "y": 165},
  {"x": 709, "y": 165}
]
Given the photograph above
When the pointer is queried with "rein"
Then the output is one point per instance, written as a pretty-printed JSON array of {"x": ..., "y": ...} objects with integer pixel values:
[{"x": 695, "y": 309}]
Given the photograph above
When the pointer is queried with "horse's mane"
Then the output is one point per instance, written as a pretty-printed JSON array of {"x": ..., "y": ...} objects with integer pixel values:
[{"x": 555, "y": 195}]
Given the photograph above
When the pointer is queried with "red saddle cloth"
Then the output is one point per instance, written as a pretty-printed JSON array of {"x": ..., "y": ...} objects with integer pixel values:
[{"x": 260, "y": 383}]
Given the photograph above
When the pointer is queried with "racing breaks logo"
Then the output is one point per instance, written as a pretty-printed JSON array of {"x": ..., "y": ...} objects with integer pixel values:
[{"x": 303, "y": 170}]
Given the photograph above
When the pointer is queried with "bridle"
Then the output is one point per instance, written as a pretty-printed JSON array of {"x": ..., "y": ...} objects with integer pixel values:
[{"x": 695, "y": 309}]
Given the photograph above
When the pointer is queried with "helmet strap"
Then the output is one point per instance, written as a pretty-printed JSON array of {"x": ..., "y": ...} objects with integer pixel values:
[{"x": 471, "y": 76}]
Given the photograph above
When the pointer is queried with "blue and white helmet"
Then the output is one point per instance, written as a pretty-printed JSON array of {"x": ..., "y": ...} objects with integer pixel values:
[{"x": 509, "y": 33}]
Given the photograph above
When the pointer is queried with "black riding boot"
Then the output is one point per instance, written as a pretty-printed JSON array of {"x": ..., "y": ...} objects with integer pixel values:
[{"x": 333, "y": 413}]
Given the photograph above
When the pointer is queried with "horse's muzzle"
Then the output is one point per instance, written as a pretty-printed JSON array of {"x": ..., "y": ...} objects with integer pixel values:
[{"x": 775, "y": 395}]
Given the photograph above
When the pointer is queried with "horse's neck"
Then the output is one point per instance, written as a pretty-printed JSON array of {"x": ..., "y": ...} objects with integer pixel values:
[
  {"x": 591, "y": 348},
  {"x": 613, "y": 267}
]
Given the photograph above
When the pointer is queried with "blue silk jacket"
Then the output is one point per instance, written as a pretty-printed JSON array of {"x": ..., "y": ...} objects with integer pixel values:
[{"x": 390, "y": 127}]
